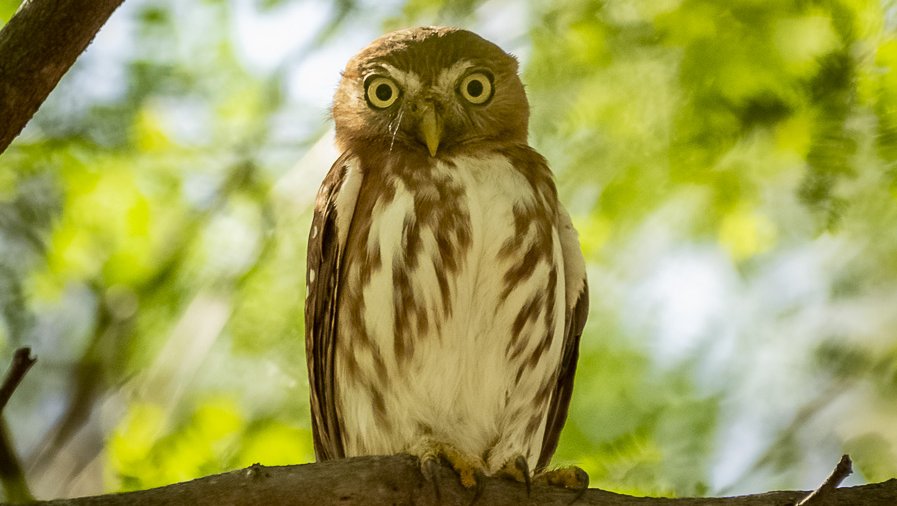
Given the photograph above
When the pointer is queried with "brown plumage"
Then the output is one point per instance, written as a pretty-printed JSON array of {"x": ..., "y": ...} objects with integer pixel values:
[{"x": 446, "y": 290}]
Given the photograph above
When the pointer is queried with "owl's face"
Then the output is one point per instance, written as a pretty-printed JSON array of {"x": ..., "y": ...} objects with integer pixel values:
[{"x": 430, "y": 89}]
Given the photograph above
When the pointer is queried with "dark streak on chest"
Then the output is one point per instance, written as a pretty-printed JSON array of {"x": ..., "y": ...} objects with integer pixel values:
[{"x": 440, "y": 208}]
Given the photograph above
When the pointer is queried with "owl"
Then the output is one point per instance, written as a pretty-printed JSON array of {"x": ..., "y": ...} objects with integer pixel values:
[{"x": 446, "y": 287}]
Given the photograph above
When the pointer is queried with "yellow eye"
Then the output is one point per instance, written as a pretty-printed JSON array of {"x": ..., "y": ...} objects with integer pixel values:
[
  {"x": 476, "y": 88},
  {"x": 381, "y": 92}
]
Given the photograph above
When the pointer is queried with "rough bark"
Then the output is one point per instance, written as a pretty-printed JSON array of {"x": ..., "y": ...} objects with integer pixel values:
[
  {"x": 397, "y": 480},
  {"x": 37, "y": 47}
]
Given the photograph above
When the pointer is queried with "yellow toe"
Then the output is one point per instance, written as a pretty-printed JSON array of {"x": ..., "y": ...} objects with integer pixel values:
[
  {"x": 468, "y": 466},
  {"x": 568, "y": 477}
]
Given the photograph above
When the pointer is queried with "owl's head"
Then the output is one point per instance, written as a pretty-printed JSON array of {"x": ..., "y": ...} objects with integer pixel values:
[{"x": 430, "y": 89}]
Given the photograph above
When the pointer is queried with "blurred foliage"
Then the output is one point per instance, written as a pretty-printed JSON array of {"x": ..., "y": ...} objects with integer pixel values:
[{"x": 731, "y": 167}]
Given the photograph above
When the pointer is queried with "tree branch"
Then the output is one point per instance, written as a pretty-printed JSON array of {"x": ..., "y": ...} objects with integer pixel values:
[
  {"x": 11, "y": 474},
  {"x": 398, "y": 480},
  {"x": 37, "y": 47},
  {"x": 842, "y": 470},
  {"x": 21, "y": 362}
]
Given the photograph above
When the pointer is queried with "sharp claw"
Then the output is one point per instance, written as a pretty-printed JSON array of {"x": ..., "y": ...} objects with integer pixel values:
[
  {"x": 430, "y": 468},
  {"x": 469, "y": 468},
  {"x": 579, "y": 495},
  {"x": 481, "y": 486},
  {"x": 523, "y": 467},
  {"x": 582, "y": 477}
]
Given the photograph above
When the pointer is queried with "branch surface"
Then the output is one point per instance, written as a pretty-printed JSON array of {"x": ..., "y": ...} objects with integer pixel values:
[
  {"x": 37, "y": 47},
  {"x": 397, "y": 480}
]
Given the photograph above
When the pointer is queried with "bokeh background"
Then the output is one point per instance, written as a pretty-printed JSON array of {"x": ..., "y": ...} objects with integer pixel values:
[{"x": 731, "y": 167}]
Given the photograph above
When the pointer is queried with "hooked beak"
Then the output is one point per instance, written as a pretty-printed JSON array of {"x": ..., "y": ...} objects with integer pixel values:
[{"x": 431, "y": 128}]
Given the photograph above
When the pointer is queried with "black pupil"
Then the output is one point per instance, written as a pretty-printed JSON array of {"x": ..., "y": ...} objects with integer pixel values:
[
  {"x": 383, "y": 92},
  {"x": 475, "y": 88}
]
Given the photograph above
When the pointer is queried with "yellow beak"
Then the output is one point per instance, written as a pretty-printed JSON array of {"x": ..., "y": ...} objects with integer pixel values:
[{"x": 431, "y": 129}]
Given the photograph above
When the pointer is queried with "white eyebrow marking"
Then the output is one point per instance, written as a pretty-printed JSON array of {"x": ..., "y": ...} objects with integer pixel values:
[
  {"x": 448, "y": 77},
  {"x": 408, "y": 81}
]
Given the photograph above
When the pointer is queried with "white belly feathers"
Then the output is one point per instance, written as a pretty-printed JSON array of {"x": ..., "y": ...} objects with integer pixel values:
[{"x": 461, "y": 354}]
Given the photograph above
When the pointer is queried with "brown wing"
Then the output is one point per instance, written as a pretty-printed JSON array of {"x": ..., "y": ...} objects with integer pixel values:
[
  {"x": 577, "y": 313},
  {"x": 333, "y": 213}
]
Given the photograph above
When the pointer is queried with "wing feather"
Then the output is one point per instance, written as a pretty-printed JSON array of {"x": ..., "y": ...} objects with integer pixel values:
[
  {"x": 577, "y": 305},
  {"x": 334, "y": 207}
]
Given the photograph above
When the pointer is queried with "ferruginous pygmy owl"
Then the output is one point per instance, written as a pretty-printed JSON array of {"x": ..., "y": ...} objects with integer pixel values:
[{"x": 446, "y": 288}]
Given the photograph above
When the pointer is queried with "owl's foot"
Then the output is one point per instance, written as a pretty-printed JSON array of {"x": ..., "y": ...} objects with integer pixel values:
[
  {"x": 470, "y": 468},
  {"x": 518, "y": 470},
  {"x": 570, "y": 477}
]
